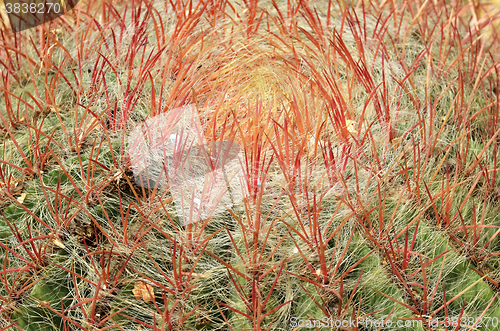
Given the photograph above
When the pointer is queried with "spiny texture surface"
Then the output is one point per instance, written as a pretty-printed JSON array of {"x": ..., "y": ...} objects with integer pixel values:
[{"x": 368, "y": 138}]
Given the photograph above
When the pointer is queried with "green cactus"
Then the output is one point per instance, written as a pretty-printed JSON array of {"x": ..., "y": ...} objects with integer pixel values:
[{"x": 368, "y": 136}]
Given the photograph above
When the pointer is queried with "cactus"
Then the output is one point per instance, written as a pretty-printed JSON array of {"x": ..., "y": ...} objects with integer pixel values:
[{"x": 366, "y": 138}]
